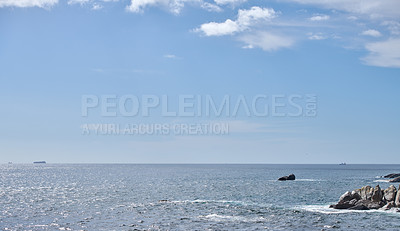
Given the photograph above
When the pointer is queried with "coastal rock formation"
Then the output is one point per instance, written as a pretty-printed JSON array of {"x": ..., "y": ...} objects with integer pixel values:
[
  {"x": 397, "y": 179},
  {"x": 390, "y": 193},
  {"x": 290, "y": 177},
  {"x": 392, "y": 175},
  {"x": 397, "y": 200},
  {"x": 367, "y": 198}
]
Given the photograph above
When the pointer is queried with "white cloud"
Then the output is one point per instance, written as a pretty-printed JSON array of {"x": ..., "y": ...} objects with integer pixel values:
[
  {"x": 229, "y": 2},
  {"x": 393, "y": 26},
  {"x": 175, "y": 6},
  {"x": 266, "y": 41},
  {"x": 317, "y": 36},
  {"x": 319, "y": 18},
  {"x": 170, "y": 56},
  {"x": 28, "y": 3},
  {"x": 218, "y": 29},
  {"x": 245, "y": 19},
  {"x": 352, "y": 17},
  {"x": 384, "y": 53},
  {"x": 97, "y": 7},
  {"x": 211, "y": 7},
  {"x": 373, "y": 33},
  {"x": 81, "y": 2},
  {"x": 372, "y": 8}
]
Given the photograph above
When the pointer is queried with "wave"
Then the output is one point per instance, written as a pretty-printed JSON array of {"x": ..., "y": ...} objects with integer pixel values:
[
  {"x": 224, "y": 218},
  {"x": 310, "y": 180},
  {"x": 384, "y": 181},
  {"x": 206, "y": 201},
  {"x": 326, "y": 210},
  {"x": 307, "y": 180}
]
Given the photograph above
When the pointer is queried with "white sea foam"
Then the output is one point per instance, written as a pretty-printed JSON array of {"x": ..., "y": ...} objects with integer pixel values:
[
  {"x": 310, "y": 180},
  {"x": 385, "y": 181},
  {"x": 219, "y": 218},
  {"x": 206, "y": 201},
  {"x": 326, "y": 210},
  {"x": 307, "y": 180}
]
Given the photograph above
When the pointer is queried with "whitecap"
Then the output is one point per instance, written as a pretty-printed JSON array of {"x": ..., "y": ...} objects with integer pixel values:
[
  {"x": 310, "y": 180},
  {"x": 307, "y": 180},
  {"x": 384, "y": 181},
  {"x": 220, "y": 218},
  {"x": 326, "y": 210}
]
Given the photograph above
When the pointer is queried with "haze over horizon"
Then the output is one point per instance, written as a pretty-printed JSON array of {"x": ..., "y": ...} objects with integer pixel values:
[{"x": 326, "y": 74}]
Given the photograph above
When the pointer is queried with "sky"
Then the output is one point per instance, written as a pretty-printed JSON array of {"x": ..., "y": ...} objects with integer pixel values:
[{"x": 326, "y": 73}]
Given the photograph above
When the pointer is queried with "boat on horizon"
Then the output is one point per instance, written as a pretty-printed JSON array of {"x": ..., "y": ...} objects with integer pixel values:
[
  {"x": 342, "y": 163},
  {"x": 39, "y": 162}
]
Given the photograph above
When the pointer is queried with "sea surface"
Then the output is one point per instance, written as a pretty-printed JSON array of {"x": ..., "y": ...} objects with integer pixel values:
[{"x": 186, "y": 197}]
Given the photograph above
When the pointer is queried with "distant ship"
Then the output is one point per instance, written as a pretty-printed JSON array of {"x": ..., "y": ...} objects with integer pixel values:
[
  {"x": 39, "y": 162},
  {"x": 342, "y": 163}
]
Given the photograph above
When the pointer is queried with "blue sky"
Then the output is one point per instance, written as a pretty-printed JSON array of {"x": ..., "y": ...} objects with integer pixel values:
[{"x": 347, "y": 53}]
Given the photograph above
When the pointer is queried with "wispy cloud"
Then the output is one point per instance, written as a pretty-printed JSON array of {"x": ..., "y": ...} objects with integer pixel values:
[
  {"x": 373, "y": 33},
  {"x": 211, "y": 7},
  {"x": 81, "y": 2},
  {"x": 171, "y": 56},
  {"x": 319, "y": 18},
  {"x": 28, "y": 3},
  {"x": 383, "y": 54},
  {"x": 97, "y": 7},
  {"x": 392, "y": 26},
  {"x": 372, "y": 8},
  {"x": 316, "y": 36},
  {"x": 266, "y": 41},
  {"x": 229, "y": 2}
]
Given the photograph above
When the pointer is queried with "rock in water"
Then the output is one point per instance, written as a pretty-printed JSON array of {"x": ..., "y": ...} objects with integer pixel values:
[
  {"x": 347, "y": 200},
  {"x": 359, "y": 207},
  {"x": 388, "y": 206},
  {"x": 366, "y": 192},
  {"x": 393, "y": 175},
  {"x": 397, "y": 179},
  {"x": 397, "y": 200},
  {"x": 390, "y": 193},
  {"x": 377, "y": 194},
  {"x": 369, "y": 198},
  {"x": 290, "y": 177}
]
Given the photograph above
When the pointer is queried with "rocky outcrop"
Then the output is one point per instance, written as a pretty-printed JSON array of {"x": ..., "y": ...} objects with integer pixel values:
[
  {"x": 392, "y": 175},
  {"x": 397, "y": 200},
  {"x": 367, "y": 198},
  {"x": 365, "y": 192},
  {"x": 377, "y": 194},
  {"x": 390, "y": 193},
  {"x": 397, "y": 179},
  {"x": 290, "y": 177}
]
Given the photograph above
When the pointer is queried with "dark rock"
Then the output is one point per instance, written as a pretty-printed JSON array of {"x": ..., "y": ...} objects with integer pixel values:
[
  {"x": 369, "y": 198},
  {"x": 397, "y": 179},
  {"x": 290, "y": 177},
  {"x": 347, "y": 200},
  {"x": 365, "y": 192},
  {"x": 388, "y": 206},
  {"x": 393, "y": 175},
  {"x": 359, "y": 207},
  {"x": 377, "y": 194},
  {"x": 370, "y": 204},
  {"x": 345, "y": 205}
]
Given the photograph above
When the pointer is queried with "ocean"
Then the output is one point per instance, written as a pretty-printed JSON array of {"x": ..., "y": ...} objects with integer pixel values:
[{"x": 187, "y": 197}]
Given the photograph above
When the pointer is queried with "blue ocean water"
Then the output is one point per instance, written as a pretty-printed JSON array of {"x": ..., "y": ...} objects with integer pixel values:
[{"x": 186, "y": 197}]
